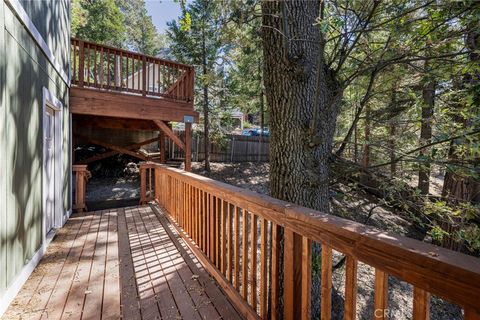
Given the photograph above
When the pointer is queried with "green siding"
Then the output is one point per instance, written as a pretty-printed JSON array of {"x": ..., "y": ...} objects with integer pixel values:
[
  {"x": 48, "y": 15},
  {"x": 26, "y": 72}
]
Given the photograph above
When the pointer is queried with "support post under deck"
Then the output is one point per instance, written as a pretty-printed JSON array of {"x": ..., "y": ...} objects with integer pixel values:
[{"x": 188, "y": 147}]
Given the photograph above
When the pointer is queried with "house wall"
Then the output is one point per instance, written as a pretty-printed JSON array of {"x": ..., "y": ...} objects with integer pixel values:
[{"x": 25, "y": 69}]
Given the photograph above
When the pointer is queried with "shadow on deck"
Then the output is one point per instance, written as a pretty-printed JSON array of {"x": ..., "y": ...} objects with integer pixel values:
[{"x": 128, "y": 263}]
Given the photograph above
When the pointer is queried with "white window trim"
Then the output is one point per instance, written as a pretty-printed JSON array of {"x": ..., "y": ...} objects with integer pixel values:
[
  {"x": 60, "y": 218},
  {"x": 28, "y": 23}
]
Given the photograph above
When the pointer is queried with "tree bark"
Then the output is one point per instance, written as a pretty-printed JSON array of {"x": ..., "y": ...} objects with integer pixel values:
[
  {"x": 391, "y": 146},
  {"x": 428, "y": 95},
  {"x": 301, "y": 124},
  {"x": 392, "y": 133},
  {"x": 299, "y": 163},
  {"x": 366, "y": 146},
  {"x": 206, "y": 119},
  {"x": 461, "y": 187}
]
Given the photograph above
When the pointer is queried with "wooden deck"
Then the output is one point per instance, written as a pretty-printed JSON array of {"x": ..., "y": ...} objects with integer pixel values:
[{"x": 123, "y": 263}]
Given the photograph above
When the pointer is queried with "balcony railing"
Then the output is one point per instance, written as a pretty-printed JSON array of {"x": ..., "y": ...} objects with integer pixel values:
[
  {"x": 237, "y": 235},
  {"x": 103, "y": 67}
]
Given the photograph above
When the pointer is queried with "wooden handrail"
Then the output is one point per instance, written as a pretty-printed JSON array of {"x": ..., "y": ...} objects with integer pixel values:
[
  {"x": 81, "y": 177},
  {"x": 105, "y": 67},
  {"x": 211, "y": 216}
]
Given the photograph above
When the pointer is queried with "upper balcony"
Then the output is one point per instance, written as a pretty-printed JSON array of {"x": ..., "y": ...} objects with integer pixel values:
[{"x": 112, "y": 82}]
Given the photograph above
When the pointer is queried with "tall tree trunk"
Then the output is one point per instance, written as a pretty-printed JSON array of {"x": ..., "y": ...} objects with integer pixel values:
[
  {"x": 262, "y": 112},
  {"x": 206, "y": 116},
  {"x": 391, "y": 146},
  {"x": 355, "y": 143},
  {"x": 366, "y": 146},
  {"x": 428, "y": 94},
  {"x": 300, "y": 142},
  {"x": 461, "y": 187},
  {"x": 392, "y": 133}
]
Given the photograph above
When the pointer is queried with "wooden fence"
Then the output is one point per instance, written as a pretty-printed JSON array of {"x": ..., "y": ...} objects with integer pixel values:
[
  {"x": 236, "y": 148},
  {"x": 237, "y": 235}
]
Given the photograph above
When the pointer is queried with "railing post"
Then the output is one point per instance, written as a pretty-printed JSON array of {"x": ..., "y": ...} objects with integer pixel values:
[
  {"x": 81, "y": 64},
  {"x": 147, "y": 186},
  {"x": 143, "y": 183},
  {"x": 81, "y": 178}
]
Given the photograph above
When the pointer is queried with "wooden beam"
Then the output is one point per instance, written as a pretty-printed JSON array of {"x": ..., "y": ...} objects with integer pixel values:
[
  {"x": 82, "y": 121},
  {"x": 114, "y": 152},
  {"x": 161, "y": 146},
  {"x": 121, "y": 105},
  {"x": 169, "y": 132},
  {"x": 113, "y": 147}
]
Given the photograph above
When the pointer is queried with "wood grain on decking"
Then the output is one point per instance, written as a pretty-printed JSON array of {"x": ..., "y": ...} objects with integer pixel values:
[{"x": 122, "y": 263}]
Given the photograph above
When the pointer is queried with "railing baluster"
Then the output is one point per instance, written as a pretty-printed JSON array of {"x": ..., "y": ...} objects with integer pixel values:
[
  {"x": 208, "y": 226},
  {"x": 381, "y": 294},
  {"x": 245, "y": 254},
  {"x": 88, "y": 63},
  {"x": 253, "y": 260},
  {"x": 350, "y": 288},
  {"x": 205, "y": 222},
  {"x": 144, "y": 73},
  {"x": 81, "y": 64},
  {"x": 95, "y": 83},
  {"x": 289, "y": 274},
  {"x": 121, "y": 76},
  {"x": 306, "y": 277},
  {"x": 236, "y": 252},
  {"x": 161, "y": 77},
  {"x": 198, "y": 223},
  {"x": 217, "y": 232},
  {"x": 275, "y": 271},
  {"x": 421, "y": 304},
  {"x": 223, "y": 260},
  {"x": 133, "y": 73},
  {"x": 108, "y": 68},
  {"x": 74, "y": 71},
  {"x": 229, "y": 241},
  {"x": 326, "y": 299},
  {"x": 264, "y": 268},
  {"x": 101, "y": 68}
]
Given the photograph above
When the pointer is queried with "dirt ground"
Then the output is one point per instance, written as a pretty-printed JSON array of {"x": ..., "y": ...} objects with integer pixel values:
[{"x": 357, "y": 207}]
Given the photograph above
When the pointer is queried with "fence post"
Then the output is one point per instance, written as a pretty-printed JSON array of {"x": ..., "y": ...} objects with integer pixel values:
[{"x": 81, "y": 178}]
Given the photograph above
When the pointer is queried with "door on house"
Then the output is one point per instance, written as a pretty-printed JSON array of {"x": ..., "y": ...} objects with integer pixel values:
[{"x": 49, "y": 170}]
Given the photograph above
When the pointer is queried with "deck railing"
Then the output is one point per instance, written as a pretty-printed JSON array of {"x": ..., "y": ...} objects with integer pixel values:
[
  {"x": 237, "y": 235},
  {"x": 103, "y": 67},
  {"x": 81, "y": 178}
]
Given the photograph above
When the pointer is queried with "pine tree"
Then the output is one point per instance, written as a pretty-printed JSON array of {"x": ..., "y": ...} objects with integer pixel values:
[{"x": 196, "y": 39}]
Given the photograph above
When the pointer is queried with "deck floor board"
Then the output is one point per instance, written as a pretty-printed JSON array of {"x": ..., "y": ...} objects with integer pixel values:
[{"x": 120, "y": 263}]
